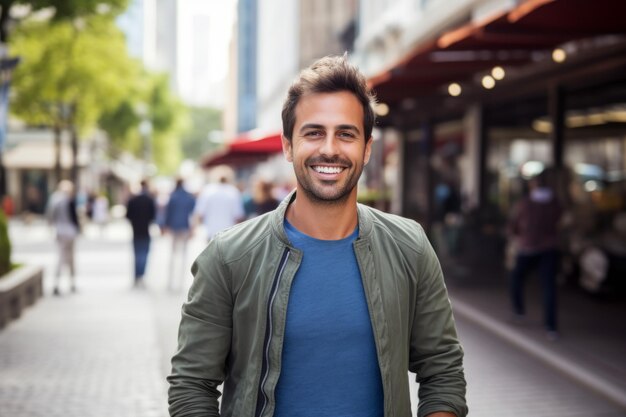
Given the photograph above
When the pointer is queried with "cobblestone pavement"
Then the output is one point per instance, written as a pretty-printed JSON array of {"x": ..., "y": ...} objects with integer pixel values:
[{"x": 105, "y": 351}]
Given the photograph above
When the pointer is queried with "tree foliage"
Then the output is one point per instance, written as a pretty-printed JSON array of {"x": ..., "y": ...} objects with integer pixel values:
[
  {"x": 69, "y": 75},
  {"x": 78, "y": 74},
  {"x": 62, "y": 10},
  {"x": 150, "y": 100},
  {"x": 195, "y": 140}
]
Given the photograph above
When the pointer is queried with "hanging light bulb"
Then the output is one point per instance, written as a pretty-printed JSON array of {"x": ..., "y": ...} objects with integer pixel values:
[
  {"x": 454, "y": 89},
  {"x": 488, "y": 82},
  {"x": 559, "y": 55},
  {"x": 497, "y": 73}
]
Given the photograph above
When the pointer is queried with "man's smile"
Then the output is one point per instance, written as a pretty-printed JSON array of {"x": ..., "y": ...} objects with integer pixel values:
[{"x": 326, "y": 169}]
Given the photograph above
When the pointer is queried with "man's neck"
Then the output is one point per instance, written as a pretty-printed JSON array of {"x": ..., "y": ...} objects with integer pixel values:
[{"x": 323, "y": 221}]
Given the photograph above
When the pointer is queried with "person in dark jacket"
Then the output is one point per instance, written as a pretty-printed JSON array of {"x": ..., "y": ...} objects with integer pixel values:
[
  {"x": 534, "y": 228},
  {"x": 141, "y": 212},
  {"x": 177, "y": 214}
]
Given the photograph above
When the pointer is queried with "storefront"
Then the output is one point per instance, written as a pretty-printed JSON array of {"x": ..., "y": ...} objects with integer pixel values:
[{"x": 483, "y": 107}]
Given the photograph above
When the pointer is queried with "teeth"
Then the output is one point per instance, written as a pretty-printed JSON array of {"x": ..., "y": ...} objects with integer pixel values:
[{"x": 328, "y": 170}]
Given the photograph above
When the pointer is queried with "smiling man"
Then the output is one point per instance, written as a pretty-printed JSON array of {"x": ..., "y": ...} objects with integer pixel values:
[{"x": 321, "y": 307}]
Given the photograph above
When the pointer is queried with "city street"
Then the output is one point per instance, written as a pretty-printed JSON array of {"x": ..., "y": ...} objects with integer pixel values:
[{"x": 105, "y": 350}]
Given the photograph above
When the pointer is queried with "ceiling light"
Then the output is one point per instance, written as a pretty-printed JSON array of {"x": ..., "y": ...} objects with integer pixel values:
[
  {"x": 381, "y": 109},
  {"x": 559, "y": 55},
  {"x": 488, "y": 82},
  {"x": 454, "y": 90},
  {"x": 542, "y": 126},
  {"x": 497, "y": 73}
]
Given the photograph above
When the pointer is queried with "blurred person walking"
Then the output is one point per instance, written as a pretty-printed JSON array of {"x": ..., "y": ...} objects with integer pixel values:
[
  {"x": 178, "y": 211},
  {"x": 100, "y": 211},
  {"x": 322, "y": 306},
  {"x": 62, "y": 215},
  {"x": 219, "y": 205},
  {"x": 534, "y": 229},
  {"x": 141, "y": 212},
  {"x": 261, "y": 200}
]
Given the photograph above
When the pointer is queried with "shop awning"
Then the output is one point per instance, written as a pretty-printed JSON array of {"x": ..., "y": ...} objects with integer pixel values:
[
  {"x": 247, "y": 148},
  {"x": 513, "y": 38}
]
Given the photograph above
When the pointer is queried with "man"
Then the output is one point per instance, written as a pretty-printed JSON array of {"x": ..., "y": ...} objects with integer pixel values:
[
  {"x": 141, "y": 212},
  {"x": 534, "y": 227},
  {"x": 322, "y": 306},
  {"x": 61, "y": 213},
  {"x": 177, "y": 213},
  {"x": 219, "y": 205}
]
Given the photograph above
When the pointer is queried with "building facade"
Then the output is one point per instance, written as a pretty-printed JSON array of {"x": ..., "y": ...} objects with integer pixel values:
[{"x": 483, "y": 94}]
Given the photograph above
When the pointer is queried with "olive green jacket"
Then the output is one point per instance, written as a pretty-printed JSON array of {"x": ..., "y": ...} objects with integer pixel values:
[{"x": 233, "y": 323}]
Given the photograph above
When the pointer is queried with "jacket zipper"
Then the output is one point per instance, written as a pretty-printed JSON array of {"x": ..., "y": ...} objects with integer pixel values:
[{"x": 262, "y": 398}]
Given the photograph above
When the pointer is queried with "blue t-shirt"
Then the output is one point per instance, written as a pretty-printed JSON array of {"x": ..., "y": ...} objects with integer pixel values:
[{"x": 329, "y": 363}]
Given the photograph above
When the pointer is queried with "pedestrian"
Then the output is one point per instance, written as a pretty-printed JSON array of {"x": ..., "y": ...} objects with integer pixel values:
[
  {"x": 262, "y": 200},
  {"x": 321, "y": 307},
  {"x": 534, "y": 229},
  {"x": 62, "y": 215},
  {"x": 141, "y": 212},
  {"x": 100, "y": 211},
  {"x": 178, "y": 211},
  {"x": 219, "y": 205}
]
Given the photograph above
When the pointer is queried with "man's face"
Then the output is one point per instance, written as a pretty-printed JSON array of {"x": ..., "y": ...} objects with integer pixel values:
[{"x": 328, "y": 148}]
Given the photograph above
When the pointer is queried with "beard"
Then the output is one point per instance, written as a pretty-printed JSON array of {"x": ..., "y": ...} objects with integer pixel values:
[{"x": 328, "y": 192}]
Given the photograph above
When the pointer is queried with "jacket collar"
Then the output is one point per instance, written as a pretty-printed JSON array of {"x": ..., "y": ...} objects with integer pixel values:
[{"x": 278, "y": 219}]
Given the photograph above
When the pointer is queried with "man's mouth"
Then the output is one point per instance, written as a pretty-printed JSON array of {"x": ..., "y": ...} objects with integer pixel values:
[{"x": 324, "y": 169}]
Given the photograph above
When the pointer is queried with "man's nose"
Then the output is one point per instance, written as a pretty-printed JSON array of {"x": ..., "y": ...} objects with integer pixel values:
[{"x": 329, "y": 146}]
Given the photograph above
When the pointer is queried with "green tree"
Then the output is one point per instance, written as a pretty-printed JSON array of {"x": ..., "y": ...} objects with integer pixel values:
[
  {"x": 70, "y": 75},
  {"x": 169, "y": 118},
  {"x": 62, "y": 10},
  {"x": 195, "y": 140},
  {"x": 151, "y": 100}
]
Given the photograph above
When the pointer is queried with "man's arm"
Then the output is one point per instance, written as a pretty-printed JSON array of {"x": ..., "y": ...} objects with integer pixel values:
[
  {"x": 204, "y": 338},
  {"x": 435, "y": 353}
]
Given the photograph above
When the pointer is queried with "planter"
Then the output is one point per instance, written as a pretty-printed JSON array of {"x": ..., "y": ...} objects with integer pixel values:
[{"x": 19, "y": 289}]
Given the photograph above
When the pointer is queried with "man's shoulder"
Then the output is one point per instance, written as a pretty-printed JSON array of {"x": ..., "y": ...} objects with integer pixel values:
[
  {"x": 392, "y": 227},
  {"x": 239, "y": 240}
]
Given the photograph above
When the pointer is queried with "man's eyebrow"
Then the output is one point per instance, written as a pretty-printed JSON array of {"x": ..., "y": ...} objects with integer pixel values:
[
  {"x": 311, "y": 126},
  {"x": 349, "y": 127},
  {"x": 338, "y": 127}
]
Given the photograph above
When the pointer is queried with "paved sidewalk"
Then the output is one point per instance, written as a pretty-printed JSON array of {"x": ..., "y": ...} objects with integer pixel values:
[
  {"x": 94, "y": 353},
  {"x": 590, "y": 349}
]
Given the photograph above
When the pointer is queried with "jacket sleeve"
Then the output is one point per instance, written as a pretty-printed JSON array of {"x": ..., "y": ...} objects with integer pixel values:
[
  {"x": 204, "y": 339},
  {"x": 435, "y": 354}
]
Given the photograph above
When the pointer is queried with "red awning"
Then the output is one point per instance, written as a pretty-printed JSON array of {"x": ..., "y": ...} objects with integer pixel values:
[
  {"x": 257, "y": 141},
  {"x": 248, "y": 148},
  {"x": 508, "y": 39}
]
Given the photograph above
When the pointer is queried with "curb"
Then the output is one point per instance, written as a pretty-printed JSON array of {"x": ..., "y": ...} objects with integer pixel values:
[{"x": 573, "y": 370}]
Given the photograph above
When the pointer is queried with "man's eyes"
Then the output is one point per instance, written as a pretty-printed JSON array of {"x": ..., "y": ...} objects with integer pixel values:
[
  {"x": 341, "y": 134},
  {"x": 346, "y": 134}
]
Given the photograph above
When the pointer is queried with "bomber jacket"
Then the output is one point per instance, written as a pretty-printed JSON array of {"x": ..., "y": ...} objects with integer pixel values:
[{"x": 233, "y": 322}]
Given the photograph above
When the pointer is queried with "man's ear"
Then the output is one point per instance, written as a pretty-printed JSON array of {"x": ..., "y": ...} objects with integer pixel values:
[
  {"x": 286, "y": 148},
  {"x": 368, "y": 151}
]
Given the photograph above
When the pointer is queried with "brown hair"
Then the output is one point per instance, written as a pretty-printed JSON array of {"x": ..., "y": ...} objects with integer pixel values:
[{"x": 329, "y": 75}]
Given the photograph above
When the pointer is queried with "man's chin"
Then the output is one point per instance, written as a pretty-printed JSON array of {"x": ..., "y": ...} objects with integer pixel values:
[{"x": 327, "y": 196}]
